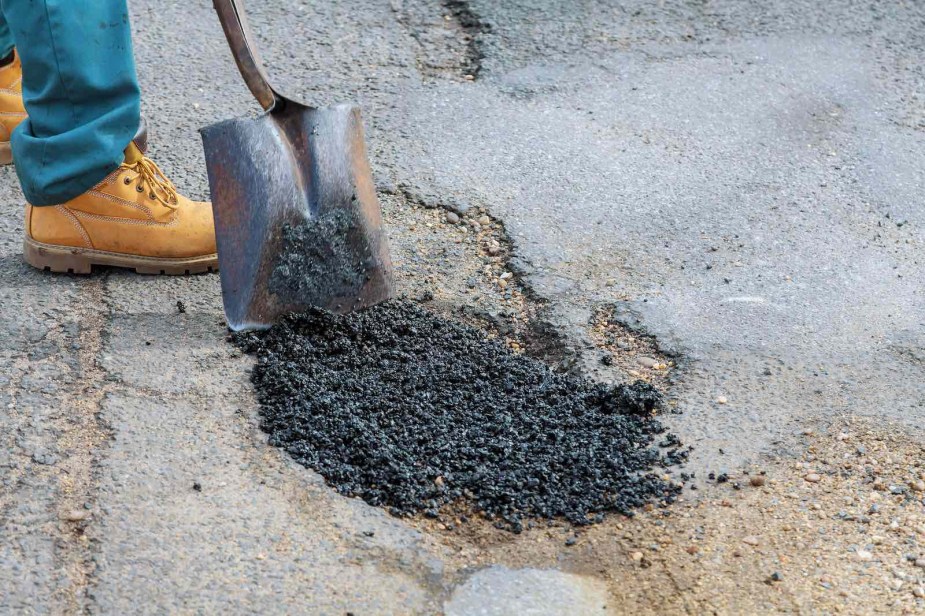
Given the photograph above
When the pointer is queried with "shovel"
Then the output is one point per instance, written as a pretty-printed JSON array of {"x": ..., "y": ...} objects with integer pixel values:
[{"x": 297, "y": 221}]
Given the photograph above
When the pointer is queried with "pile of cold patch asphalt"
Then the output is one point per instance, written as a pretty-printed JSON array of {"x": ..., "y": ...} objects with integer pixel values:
[{"x": 413, "y": 412}]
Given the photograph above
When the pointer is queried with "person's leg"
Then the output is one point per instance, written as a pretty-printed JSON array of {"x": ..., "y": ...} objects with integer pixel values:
[
  {"x": 80, "y": 91},
  {"x": 12, "y": 112},
  {"x": 6, "y": 37}
]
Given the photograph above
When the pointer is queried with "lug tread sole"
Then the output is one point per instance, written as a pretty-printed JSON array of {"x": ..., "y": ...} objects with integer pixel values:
[{"x": 74, "y": 260}]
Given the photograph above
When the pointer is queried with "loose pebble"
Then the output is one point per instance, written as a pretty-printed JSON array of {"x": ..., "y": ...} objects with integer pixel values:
[
  {"x": 722, "y": 400},
  {"x": 636, "y": 556},
  {"x": 76, "y": 515},
  {"x": 452, "y": 218},
  {"x": 751, "y": 540},
  {"x": 812, "y": 477},
  {"x": 756, "y": 481},
  {"x": 864, "y": 555},
  {"x": 646, "y": 362},
  {"x": 484, "y": 220}
]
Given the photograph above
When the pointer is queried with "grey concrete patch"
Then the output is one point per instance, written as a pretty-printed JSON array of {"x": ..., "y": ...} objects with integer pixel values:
[{"x": 499, "y": 591}]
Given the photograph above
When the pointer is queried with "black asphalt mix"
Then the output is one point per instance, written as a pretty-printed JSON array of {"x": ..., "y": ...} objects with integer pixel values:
[{"x": 412, "y": 412}]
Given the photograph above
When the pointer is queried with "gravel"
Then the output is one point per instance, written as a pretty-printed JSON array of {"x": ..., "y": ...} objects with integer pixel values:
[{"x": 412, "y": 412}]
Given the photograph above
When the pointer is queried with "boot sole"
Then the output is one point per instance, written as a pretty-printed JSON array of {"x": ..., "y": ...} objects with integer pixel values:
[
  {"x": 6, "y": 154},
  {"x": 66, "y": 259}
]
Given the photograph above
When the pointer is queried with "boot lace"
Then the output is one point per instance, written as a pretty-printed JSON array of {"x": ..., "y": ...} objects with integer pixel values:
[{"x": 151, "y": 179}]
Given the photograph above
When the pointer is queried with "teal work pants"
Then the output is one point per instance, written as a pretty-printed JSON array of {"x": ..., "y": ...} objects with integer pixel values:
[{"x": 80, "y": 90}]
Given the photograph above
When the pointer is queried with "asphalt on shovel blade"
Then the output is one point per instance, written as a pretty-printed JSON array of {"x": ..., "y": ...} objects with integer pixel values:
[{"x": 297, "y": 221}]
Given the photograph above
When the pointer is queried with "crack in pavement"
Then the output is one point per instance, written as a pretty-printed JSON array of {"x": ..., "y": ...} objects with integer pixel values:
[
  {"x": 81, "y": 443},
  {"x": 475, "y": 27},
  {"x": 55, "y": 438},
  {"x": 448, "y": 36}
]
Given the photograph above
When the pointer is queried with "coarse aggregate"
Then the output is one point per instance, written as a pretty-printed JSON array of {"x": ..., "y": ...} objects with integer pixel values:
[
  {"x": 322, "y": 258},
  {"x": 413, "y": 412}
]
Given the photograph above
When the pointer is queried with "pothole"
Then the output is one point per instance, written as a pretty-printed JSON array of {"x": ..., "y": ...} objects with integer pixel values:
[
  {"x": 437, "y": 404},
  {"x": 422, "y": 415}
]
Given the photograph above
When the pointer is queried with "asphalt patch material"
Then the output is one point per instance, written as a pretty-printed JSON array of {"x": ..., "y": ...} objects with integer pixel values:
[
  {"x": 321, "y": 258},
  {"x": 413, "y": 412}
]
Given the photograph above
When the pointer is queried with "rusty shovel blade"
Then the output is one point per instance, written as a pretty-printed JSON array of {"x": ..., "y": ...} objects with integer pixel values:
[{"x": 297, "y": 220}]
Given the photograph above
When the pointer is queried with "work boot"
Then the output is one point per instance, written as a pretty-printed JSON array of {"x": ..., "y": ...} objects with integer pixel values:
[
  {"x": 12, "y": 111},
  {"x": 134, "y": 218}
]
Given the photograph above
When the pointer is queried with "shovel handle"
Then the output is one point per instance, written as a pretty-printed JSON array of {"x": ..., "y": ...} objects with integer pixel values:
[{"x": 234, "y": 23}]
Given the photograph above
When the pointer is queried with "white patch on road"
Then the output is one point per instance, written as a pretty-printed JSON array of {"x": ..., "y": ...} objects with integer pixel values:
[{"x": 498, "y": 591}]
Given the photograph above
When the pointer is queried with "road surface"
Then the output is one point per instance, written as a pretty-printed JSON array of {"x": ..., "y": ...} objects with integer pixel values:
[{"x": 742, "y": 180}]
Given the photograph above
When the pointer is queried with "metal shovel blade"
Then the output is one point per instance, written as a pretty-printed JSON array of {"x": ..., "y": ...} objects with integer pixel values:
[{"x": 297, "y": 220}]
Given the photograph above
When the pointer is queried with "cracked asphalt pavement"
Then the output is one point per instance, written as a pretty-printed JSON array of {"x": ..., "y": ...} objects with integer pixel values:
[{"x": 740, "y": 180}]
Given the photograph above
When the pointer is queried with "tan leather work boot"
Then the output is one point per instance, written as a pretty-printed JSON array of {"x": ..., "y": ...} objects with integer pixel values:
[
  {"x": 134, "y": 218},
  {"x": 12, "y": 111}
]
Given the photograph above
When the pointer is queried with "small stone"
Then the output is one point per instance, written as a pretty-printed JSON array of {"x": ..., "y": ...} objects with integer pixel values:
[
  {"x": 475, "y": 226},
  {"x": 181, "y": 307},
  {"x": 42, "y": 456},
  {"x": 493, "y": 251},
  {"x": 812, "y": 477},
  {"x": 197, "y": 486},
  {"x": 722, "y": 400},
  {"x": 918, "y": 486},
  {"x": 452, "y": 218},
  {"x": 756, "y": 481},
  {"x": 502, "y": 283},
  {"x": 439, "y": 482},
  {"x": 76, "y": 515},
  {"x": 920, "y": 562},
  {"x": 571, "y": 541},
  {"x": 636, "y": 556},
  {"x": 692, "y": 549},
  {"x": 864, "y": 555},
  {"x": 646, "y": 362},
  {"x": 919, "y": 592},
  {"x": 751, "y": 540},
  {"x": 506, "y": 276},
  {"x": 484, "y": 220}
]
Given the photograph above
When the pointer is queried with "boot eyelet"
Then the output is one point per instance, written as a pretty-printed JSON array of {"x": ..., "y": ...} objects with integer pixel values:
[
  {"x": 139, "y": 189},
  {"x": 127, "y": 181},
  {"x": 152, "y": 195}
]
